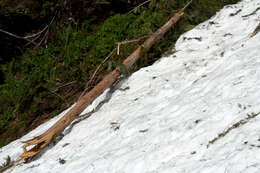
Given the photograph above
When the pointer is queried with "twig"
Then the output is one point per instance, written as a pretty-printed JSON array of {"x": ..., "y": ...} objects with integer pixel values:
[
  {"x": 33, "y": 35},
  {"x": 139, "y": 5},
  {"x": 46, "y": 33},
  {"x": 67, "y": 84},
  {"x": 257, "y": 29},
  {"x": 131, "y": 41},
  {"x": 29, "y": 36},
  {"x": 16, "y": 36},
  {"x": 43, "y": 38},
  {"x": 94, "y": 74},
  {"x": 187, "y": 5},
  {"x": 36, "y": 34},
  {"x": 128, "y": 41},
  {"x": 60, "y": 97},
  {"x": 33, "y": 39}
]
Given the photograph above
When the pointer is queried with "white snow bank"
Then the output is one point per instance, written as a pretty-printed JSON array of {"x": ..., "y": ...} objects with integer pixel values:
[{"x": 163, "y": 117}]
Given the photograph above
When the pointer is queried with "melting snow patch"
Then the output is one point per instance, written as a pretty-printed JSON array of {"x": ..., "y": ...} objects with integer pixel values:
[{"x": 194, "y": 111}]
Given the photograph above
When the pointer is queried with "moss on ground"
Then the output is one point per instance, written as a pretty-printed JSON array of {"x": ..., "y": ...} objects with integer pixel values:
[{"x": 35, "y": 89}]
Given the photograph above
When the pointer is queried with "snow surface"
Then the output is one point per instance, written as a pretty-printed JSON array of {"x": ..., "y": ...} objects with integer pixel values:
[{"x": 163, "y": 117}]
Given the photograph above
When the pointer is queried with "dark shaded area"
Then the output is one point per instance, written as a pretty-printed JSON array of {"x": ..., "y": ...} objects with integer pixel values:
[
  {"x": 80, "y": 10},
  {"x": 28, "y": 16},
  {"x": 19, "y": 25},
  {"x": 11, "y": 47}
]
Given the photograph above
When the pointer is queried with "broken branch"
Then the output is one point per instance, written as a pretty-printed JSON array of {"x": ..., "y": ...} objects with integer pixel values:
[{"x": 40, "y": 142}]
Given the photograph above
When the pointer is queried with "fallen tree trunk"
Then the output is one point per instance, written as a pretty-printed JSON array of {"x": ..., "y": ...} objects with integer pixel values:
[{"x": 50, "y": 135}]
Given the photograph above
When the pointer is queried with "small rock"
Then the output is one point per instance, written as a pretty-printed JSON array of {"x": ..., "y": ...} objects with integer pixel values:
[
  {"x": 193, "y": 152},
  {"x": 115, "y": 126},
  {"x": 143, "y": 131},
  {"x": 197, "y": 121},
  {"x": 65, "y": 144},
  {"x": 62, "y": 161}
]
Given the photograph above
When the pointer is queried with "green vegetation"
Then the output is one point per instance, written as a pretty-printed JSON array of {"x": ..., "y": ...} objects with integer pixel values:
[
  {"x": 30, "y": 8},
  {"x": 6, "y": 163},
  {"x": 32, "y": 89}
]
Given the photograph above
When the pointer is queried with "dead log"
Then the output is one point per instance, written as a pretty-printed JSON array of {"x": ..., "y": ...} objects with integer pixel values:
[{"x": 50, "y": 135}]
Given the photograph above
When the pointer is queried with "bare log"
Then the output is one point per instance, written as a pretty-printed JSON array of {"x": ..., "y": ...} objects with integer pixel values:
[{"x": 50, "y": 135}]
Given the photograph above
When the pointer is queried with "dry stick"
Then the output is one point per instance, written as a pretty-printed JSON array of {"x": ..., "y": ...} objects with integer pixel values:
[
  {"x": 30, "y": 36},
  {"x": 128, "y": 41},
  {"x": 39, "y": 33},
  {"x": 40, "y": 142},
  {"x": 257, "y": 29},
  {"x": 16, "y": 36},
  {"x": 62, "y": 86},
  {"x": 35, "y": 38},
  {"x": 60, "y": 97},
  {"x": 139, "y": 6},
  {"x": 43, "y": 38}
]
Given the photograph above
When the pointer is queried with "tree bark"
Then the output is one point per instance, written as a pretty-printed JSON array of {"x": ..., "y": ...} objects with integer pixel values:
[{"x": 50, "y": 135}]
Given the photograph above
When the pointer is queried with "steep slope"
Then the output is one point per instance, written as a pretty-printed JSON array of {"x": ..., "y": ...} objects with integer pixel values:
[{"x": 196, "y": 110}]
